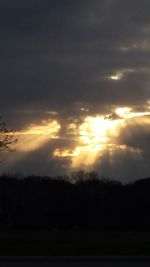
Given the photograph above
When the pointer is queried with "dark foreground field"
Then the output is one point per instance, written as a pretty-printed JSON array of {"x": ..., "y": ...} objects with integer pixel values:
[{"x": 74, "y": 243}]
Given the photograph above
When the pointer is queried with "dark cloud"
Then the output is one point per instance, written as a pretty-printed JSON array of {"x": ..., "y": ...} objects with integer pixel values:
[
  {"x": 136, "y": 135},
  {"x": 51, "y": 51},
  {"x": 124, "y": 165}
]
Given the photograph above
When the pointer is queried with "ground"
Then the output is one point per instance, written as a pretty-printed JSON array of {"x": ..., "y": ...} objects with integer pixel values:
[{"x": 74, "y": 243}]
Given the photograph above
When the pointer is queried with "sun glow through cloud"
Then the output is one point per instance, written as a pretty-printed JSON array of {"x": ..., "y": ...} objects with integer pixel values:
[
  {"x": 85, "y": 141},
  {"x": 98, "y": 134},
  {"x": 94, "y": 136},
  {"x": 116, "y": 77},
  {"x": 34, "y": 136}
]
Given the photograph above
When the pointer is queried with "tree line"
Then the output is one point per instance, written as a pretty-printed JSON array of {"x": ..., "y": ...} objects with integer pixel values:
[{"x": 83, "y": 201}]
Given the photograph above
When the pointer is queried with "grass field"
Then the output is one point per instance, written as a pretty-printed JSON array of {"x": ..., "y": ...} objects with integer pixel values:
[{"x": 74, "y": 243}]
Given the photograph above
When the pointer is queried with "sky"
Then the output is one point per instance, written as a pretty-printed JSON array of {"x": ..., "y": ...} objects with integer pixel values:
[{"x": 75, "y": 86}]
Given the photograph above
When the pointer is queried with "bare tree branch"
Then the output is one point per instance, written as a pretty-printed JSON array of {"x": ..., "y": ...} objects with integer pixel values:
[{"x": 7, "y": 138}]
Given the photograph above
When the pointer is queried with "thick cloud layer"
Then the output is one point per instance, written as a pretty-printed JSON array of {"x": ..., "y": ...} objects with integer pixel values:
[{"x": 58, "y": 56}]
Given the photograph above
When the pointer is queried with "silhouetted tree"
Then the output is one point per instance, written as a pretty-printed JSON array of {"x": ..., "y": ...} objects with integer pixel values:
[
  {"x": 7, "y": 138},
  {"x": 48, "y": 203}
]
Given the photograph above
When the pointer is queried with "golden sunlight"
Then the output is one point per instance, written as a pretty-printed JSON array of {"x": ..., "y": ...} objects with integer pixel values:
[
  {"x": 35, "y": 136},
  {"x": 93, "y": 138},
  {"x": 86, "y": 141},
  {"x": 127, "y": 113},
  {"x": 122, "y": 112},
  {"x": 116, "y": 77},
  {"x": 97, "y": 135}
]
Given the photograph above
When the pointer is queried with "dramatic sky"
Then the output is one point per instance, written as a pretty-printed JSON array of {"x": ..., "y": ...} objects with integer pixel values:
[{"x": 75, "y": 85}]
